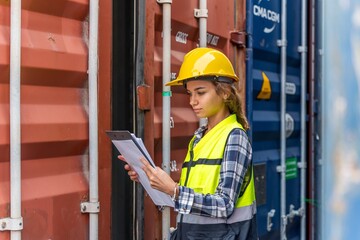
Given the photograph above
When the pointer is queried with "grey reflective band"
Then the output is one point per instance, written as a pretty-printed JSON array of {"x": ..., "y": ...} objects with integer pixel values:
[
  {"x": 202, "y": 161},
  {"x": 239, "y": 215},
  {"x": 243, "y": 214}
]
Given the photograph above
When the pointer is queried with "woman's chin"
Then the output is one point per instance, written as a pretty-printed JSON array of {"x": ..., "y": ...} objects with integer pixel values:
[{"x": 199, "y": 115}]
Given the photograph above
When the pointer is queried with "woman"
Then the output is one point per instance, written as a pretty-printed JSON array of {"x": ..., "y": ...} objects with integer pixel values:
[{"x": 215, "y": 197}]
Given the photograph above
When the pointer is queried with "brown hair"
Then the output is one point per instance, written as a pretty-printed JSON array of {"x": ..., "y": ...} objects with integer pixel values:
[{"x": 233, "y": 101}]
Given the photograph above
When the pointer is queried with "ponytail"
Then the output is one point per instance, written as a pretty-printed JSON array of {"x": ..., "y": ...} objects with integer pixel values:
[{"x": 233, "y": 101}]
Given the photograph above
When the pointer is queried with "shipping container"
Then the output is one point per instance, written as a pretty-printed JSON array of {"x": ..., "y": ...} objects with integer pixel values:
[
  {"x": 74, "y": 86},
  {"x": 44, "y": 104},
  {"x": 278, "y": 182}
]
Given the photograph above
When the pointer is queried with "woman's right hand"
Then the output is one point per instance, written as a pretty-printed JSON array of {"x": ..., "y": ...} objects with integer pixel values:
[{"x": 132, "y": 174}]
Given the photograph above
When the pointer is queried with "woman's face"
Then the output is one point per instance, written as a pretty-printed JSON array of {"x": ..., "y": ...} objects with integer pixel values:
[{"x": 204, "y": 100}]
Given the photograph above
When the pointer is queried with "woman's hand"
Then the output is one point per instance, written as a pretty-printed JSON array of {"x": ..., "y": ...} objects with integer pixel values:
[
  {"x": 158, "y": 178},
  {"x": 132, "y": 174}
]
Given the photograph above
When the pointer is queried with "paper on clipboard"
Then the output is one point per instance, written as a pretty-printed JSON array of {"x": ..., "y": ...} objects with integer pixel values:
[{"x": 133, "y": 148}]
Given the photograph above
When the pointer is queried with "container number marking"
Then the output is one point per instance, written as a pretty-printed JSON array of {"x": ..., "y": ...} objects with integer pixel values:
[
  {"x": 181, "y": 37},
  {"x": 212, "y": 39},
  {"x": 290, "y": 88}
]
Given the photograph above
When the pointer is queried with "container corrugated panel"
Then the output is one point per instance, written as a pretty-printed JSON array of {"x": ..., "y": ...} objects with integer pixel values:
[
  {"x": 184, "y": 37},
  {"x": 266, "y": 117},
  {"x": 54, "y": 121}
]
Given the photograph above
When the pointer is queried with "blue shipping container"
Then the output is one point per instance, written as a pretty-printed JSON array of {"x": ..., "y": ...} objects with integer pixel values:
[{"x": 264, "y": 111}]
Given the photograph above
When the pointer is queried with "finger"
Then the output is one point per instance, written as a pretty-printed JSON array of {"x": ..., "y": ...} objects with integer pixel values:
[
  {"x": 133, "y": 177},
  {"x": 146, "y": 167},
  {"x": 132, "y": 173},
  {"x": 144, "y": 161},
  {"x": 127, "y": 167},
  {"x": 121, "y": 157}
]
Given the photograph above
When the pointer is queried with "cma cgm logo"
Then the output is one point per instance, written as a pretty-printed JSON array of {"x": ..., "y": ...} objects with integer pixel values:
[{"x": 270, "y": 15}]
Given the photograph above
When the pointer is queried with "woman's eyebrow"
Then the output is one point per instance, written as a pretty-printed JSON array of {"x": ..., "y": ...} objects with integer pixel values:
[
  {"x": 196, "y": 89},
  {"x": 199, "y": 88}
]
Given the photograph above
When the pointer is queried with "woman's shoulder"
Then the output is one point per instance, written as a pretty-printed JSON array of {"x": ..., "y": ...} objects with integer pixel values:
[
  {"x": 237, "y": 132},
  {"x": 238, "y": 135}
]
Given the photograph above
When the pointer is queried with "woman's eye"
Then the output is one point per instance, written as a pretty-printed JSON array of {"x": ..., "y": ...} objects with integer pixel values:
[{"x": 200, "y": 93}]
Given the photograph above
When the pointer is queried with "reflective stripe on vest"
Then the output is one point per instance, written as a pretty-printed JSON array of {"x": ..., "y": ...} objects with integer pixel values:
[
  {"x": 201, "y": 168},
  {"x": 239, "y": 215}
]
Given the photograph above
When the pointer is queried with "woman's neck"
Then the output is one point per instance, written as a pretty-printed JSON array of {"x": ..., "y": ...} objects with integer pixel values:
[{"x": 214, "y": 120}]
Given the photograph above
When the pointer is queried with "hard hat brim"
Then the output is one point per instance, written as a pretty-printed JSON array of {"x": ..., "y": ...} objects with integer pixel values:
[{"x": 180, "y": 81}]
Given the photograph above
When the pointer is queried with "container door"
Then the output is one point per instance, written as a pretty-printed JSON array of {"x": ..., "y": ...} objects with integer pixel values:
[
  {"x": 222, "y": 19},
  {"x": 264, "y": 86},
  {"x": 54, "y": 120}
]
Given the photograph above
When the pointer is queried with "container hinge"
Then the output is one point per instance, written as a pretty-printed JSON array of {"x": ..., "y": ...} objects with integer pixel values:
[
  {"x": 200, "y": 13},
  {"x": 11, "y": 224},
  {"x": 238, "y": 38},
  {"x": 90, "y": 207},
  {"x": 164, "y": 1}
]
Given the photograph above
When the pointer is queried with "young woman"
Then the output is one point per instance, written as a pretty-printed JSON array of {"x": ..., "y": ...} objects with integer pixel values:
[{"x": 215, "y": 197}]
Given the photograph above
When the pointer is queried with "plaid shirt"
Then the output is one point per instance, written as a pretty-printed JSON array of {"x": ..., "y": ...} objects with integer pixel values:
[{"x": 236, "y": 160}]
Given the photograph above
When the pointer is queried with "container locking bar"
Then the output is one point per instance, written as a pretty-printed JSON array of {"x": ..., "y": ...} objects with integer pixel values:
[
  {"x": 292, "y": 212},
  {"x": 11, "y": 224},
  {"x": 90, "y": 207}
]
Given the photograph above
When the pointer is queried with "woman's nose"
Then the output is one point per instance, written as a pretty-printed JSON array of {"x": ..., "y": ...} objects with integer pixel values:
[{"x": 193, "y": 100}]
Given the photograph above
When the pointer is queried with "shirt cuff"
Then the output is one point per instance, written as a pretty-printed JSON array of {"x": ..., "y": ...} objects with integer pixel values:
[{"x": 185, "y": 200}]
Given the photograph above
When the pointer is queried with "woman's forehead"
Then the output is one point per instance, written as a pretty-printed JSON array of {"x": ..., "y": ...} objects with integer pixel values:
[{"x": 195, "y": 84}]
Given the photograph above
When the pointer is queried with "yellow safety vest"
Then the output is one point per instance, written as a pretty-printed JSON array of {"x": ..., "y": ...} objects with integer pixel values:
[{"x": 201, "y": 168}]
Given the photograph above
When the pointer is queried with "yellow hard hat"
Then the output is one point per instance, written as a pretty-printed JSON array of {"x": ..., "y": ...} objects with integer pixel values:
[{"x": 204, "y": 62}]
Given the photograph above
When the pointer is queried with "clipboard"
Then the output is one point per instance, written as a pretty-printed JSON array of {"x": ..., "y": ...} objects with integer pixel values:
[
  {"x": 133, "y": 148},
  {"x": 127, "y": 136}
]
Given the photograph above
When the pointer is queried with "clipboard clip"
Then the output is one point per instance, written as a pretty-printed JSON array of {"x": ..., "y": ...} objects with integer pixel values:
[{"x": 161, "y": 208}]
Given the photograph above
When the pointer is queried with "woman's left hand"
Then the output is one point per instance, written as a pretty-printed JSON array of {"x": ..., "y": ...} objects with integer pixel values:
[{"x": 158, "y": 178}]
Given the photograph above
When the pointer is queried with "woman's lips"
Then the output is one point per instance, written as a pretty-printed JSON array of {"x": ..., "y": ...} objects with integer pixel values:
[{"x": 197, "y": 110}]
